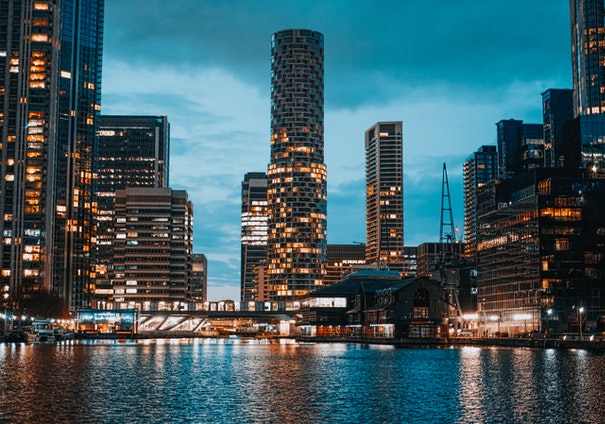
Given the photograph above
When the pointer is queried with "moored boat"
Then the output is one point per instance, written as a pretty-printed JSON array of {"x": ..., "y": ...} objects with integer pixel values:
[
  {"x": 22, "y": 335},
  {"x": 45, "y": 330}
]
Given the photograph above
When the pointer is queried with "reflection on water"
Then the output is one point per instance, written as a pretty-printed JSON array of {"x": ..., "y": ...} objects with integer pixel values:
[{"x": 235, "y": 380}]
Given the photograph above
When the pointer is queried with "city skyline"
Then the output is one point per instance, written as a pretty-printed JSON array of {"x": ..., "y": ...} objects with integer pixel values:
[{"x": 449, "y": 84}]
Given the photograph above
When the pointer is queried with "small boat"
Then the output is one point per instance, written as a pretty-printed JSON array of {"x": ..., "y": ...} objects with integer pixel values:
[
  {"x": 22, "y": 335},
  {"x": 45, "y": 330},
  {"x": 63, "y": 334}
]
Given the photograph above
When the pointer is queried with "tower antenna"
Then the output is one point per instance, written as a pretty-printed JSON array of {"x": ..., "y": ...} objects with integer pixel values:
[{"x": 447, "y": 231}]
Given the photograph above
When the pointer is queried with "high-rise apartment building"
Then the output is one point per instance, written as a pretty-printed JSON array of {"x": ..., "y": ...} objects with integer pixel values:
[
  {"x": 50, "y": 91},
  {"x": 480, "y": 168},
  {"x": 384, "y": 194},
  {"x": 296, "y": 193},
  {"x": 133, "y": 151},
  {"x": 254, "y": 232},
  {"x": 153, "y": 244}
]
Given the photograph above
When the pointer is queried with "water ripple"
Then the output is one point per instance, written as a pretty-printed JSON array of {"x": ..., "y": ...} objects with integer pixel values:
[{"x": 192, "y": 381}]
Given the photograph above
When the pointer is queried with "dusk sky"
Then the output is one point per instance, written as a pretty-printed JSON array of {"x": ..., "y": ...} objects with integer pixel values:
[{"x": 448, "y": 70}]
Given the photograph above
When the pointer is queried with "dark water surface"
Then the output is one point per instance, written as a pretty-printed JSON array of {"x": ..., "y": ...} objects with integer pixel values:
[{"x": 191, "y": 381}]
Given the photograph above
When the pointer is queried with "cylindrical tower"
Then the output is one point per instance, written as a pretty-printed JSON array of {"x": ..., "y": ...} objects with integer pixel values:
[{"x": 296, "y": 195}]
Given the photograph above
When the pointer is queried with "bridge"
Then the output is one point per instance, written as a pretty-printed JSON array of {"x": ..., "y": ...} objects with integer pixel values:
[{"x": 208, "y": 319}]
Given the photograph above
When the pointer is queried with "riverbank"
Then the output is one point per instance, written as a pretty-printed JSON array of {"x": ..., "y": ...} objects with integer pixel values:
[
  {"x": 559, "y": 343},
  {"x": 593, "y": 345}
]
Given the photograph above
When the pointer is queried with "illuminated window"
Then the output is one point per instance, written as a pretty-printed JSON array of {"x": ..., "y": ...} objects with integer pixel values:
[{"x": 41, "y": 38}]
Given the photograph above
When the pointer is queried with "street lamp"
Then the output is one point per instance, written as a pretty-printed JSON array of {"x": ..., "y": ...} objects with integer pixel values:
[{"x": 579, "y": 312}]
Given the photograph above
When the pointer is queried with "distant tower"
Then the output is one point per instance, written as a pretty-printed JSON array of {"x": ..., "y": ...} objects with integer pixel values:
[
  {"x": 520, "y": 147},
  {"x": 557, "y": 111},
  {"x": 480, "y": 168},
  {"x": 384, "y": 194},
  {"x": 296, "y": 195},
  {"x": 254, "y": 232}
]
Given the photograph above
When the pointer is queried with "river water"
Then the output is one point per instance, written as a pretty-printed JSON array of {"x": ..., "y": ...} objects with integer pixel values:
[{"x": 235, "y": 381}]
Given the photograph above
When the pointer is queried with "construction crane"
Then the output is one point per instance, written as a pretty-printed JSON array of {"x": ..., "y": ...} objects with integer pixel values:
[{"x": 448, "y": 273}]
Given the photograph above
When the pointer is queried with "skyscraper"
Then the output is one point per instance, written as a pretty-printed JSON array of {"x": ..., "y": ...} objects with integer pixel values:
[
  {"x": 296, "y": 194},
  {"x": 585, "y": 137},
  {"x": 588, "y": 56},
  {"x": 480, "y": 168},
  {"x": 384, "y": 194},
  {"x": 133, "y": 151},
  {"x": 254, "y": 232},
  {"x": 50, "y": 90}
]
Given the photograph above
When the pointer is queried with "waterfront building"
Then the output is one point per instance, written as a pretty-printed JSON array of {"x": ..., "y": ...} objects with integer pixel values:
[
  {"x": 377, "y": 304},
  {"x": 480, "y": 168},
  {"x": 342, "y": 260},
  {"x": 153, "y": 244},
  {"x": 296, "y": 193},
  {"x": 557, "y": 111},
  {"x": 253, "y": 232},
  {"x": 384, "y": 195},
  {"x": 133, "y": 151},
  {"x": 50, "y": 91},
  {"x": 540, "y": 254}
]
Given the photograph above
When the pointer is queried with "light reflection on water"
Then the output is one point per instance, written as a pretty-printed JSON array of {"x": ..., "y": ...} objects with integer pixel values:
[{"x": 233, "y": 380}]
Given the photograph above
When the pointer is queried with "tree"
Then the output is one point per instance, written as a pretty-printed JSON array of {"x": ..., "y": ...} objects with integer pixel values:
[{"x": 45, "y": 304}]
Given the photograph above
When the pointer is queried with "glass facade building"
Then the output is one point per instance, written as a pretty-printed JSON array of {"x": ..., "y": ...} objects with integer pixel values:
[
  {"x": 557, "y": 111},
  {"x": 540, "y": 253},
  {"x": 50, "y": 90},
  {"x": 296, "y": 193},
  {"x": 254, "y": 232},
  {"x": 588, "y": 56},
  {"x": 587, "y": 133},
  {"x": 384, "y": 194},
  {"x": 520, "y": 147}
]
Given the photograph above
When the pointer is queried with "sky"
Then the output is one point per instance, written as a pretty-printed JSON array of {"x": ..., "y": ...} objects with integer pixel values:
[{"x": 449, "y": 70}]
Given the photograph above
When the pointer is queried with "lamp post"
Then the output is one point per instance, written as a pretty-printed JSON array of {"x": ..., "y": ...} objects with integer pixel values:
[{"x": 579, "y": 312}]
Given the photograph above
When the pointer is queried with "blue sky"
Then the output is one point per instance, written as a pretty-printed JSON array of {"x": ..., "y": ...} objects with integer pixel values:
[{"x": 448, "y": 70}]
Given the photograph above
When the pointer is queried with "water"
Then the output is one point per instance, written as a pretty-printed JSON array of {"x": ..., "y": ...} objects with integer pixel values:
[{"x": 197, "y": 381}]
